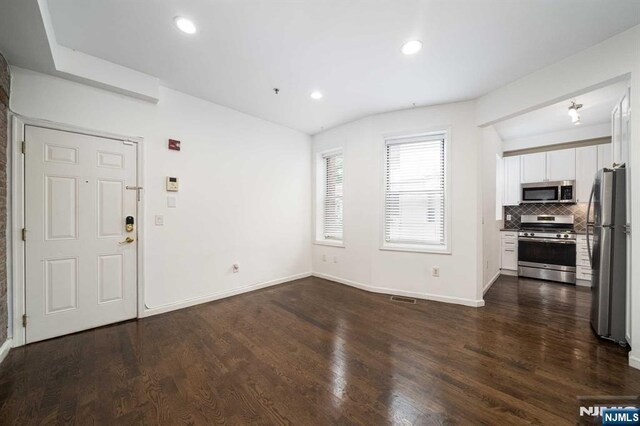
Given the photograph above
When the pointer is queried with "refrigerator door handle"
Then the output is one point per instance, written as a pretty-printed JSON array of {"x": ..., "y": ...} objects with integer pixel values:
[{"x": 593, "y": 190}]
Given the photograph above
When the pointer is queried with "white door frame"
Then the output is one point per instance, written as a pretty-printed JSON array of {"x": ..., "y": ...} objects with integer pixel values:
[{"x": 16, "y": 285}]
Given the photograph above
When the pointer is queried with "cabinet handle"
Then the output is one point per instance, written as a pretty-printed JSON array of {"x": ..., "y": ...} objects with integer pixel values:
[{"x": 509, "y": 250}]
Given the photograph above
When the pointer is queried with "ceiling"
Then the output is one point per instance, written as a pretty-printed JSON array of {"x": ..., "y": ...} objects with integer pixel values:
[
  {"x": 596, "y": 109},
  {"x": 348, "y": 49}
]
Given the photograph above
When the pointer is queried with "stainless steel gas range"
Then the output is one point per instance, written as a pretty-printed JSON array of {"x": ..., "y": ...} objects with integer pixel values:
[{"x": 547, "y": 248}]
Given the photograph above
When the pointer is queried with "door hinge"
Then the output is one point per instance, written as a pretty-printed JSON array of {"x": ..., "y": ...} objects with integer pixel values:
[
  {"x": 24, "y": 234},
  {"x": 24, "y": 320},
  {"x": 24, "y": 147}
]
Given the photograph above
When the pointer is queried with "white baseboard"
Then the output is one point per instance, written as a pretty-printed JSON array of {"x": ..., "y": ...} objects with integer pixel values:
[
  {"x": 395, "y": 292},
  {"x": 488, "y": 285},
  {"x": 149, "y": 311},
  {"x": 509, "y": 272},
  {"x": 583, "y": 283},
  {"x": 634, "y": 360},
  {"x": 4, "y": 349}
]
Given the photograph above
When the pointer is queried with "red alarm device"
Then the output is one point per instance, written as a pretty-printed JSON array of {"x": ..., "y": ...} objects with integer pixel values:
[{"x": 174, "y": 144}]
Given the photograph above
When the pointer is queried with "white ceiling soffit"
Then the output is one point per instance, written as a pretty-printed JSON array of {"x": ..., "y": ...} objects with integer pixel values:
[
  {"x": 95, "y": 71},
  {"x": 579, "y": 133},
  {"x": 349, "y": 50},
  {"x": 596, "y": 110}
]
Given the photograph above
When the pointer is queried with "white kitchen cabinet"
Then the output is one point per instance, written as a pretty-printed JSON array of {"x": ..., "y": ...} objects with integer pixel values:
[
  {"x": 548, "y": 166},
  {"x": 604, "y": 156},
  {"x": 584, "y": 273},
  {"x": 511, "y": 193},
  {"x": 586, "y": 168},
  {"x": 590, "y": 159},
  {"x": 579, "y": 164},
  {"x": 561, "y": 164},
  {"x": 615, "y": 134},
  {"x": 533, "y": 167},
  {"x": 509, "y": 251},
  {"x": 625, "y": 128},
  {"x": 620, "y": 127}
]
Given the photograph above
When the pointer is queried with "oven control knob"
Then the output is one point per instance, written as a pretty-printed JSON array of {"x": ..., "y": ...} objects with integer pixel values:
[
  {"x": 566, "y": 235},
  {"x": 531, "y": 234},
  {"x": 558, "y": 235}
]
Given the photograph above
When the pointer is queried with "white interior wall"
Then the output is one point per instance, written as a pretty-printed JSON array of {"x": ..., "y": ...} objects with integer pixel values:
[
  {"x": 598, "y": 66},
  {"x": 244, "y": 186},
  {"x": 614, "y": 59},
  {"x": 361, "y": 262},
  {"x": 491, "y": 147}
]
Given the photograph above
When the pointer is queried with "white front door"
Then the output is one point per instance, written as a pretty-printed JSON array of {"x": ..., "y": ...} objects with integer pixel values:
[{"x": 80, "y": 271}]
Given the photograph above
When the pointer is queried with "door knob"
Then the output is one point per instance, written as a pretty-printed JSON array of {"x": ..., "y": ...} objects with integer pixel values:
[{"x": 127, "y": 240}]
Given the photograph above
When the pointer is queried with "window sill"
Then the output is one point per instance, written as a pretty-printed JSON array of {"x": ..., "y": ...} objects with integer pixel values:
[
  {"x": 416, "y": 249},
  {"x": 331, "y": 243}
]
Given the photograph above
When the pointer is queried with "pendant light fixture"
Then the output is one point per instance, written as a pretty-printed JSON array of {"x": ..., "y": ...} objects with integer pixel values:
[{"x": 573, "y": 112}]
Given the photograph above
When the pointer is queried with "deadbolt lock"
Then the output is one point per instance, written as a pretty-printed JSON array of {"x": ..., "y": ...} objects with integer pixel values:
[{"x": 129, "y": 224}]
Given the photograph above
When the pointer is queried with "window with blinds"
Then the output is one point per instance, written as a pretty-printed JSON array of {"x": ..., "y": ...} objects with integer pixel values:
[
  {"x": 332, "y": 205},
  {"x": 415, "y": 192}
]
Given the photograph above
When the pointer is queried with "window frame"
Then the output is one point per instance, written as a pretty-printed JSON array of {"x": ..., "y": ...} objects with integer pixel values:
[
  {"x": 320, "y": 187},
  {"x": 411, "y": 247}
]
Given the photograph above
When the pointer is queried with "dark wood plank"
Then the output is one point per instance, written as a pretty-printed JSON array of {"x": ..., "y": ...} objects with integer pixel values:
[{"x": 317, "y": 352}]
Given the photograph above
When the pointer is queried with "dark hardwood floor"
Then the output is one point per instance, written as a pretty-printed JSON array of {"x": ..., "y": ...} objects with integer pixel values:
[{"x": 316, "y": 352}]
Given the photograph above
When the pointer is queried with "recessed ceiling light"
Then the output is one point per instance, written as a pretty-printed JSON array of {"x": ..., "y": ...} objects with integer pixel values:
[
  {"x": 185, "y": 25},
  {"x": 316, "y": 94},
  {"x": 411, "y": 47}
]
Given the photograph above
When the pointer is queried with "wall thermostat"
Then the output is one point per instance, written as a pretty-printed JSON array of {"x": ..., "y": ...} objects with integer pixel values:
[{"x": 172, "y": 184}]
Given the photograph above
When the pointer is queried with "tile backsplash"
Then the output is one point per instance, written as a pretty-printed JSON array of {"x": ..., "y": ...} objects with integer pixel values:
[{"x": 578, "y": 210}]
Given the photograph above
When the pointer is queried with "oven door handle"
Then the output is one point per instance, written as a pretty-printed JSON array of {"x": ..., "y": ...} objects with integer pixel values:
[{"x": 547, "y": 240}]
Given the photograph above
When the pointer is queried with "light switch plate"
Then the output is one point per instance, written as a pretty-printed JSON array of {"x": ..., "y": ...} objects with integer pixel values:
[
  {"x": 159, "y": 220},
  {"x": 172, "y": 202}
]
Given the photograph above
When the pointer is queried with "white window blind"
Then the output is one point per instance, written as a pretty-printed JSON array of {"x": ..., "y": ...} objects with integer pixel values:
[
  {"x": 333, "y": 183},
  {"x": 415, "y": 191}
]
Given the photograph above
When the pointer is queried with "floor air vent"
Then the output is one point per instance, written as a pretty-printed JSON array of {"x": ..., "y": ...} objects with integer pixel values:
[{"x": 403, "y": 299}]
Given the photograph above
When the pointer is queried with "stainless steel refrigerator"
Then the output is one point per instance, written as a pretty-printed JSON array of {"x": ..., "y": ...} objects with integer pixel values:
[{"x": 608, "y": 254}]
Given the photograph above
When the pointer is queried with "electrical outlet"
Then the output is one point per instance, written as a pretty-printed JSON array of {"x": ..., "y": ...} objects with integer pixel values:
[
  {"x": 335, "y": 259},
  {"x": 509, "y": 217},
  {"x": 324, "y": 257},
  {"x": 435, "y": 271},
  {"x": 236, "y": 268},
  {"x": 159, "y": 220}
]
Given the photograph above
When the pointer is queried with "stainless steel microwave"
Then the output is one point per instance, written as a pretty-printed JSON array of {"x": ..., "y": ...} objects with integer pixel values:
[{"x": 549, "y": 192}]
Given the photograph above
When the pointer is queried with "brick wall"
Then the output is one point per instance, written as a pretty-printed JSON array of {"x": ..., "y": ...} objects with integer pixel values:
[{"x": 4, "y": 105}]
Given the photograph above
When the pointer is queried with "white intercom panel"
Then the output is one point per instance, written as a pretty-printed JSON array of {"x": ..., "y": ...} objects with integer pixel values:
[{"x": 172, "y": 184}]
